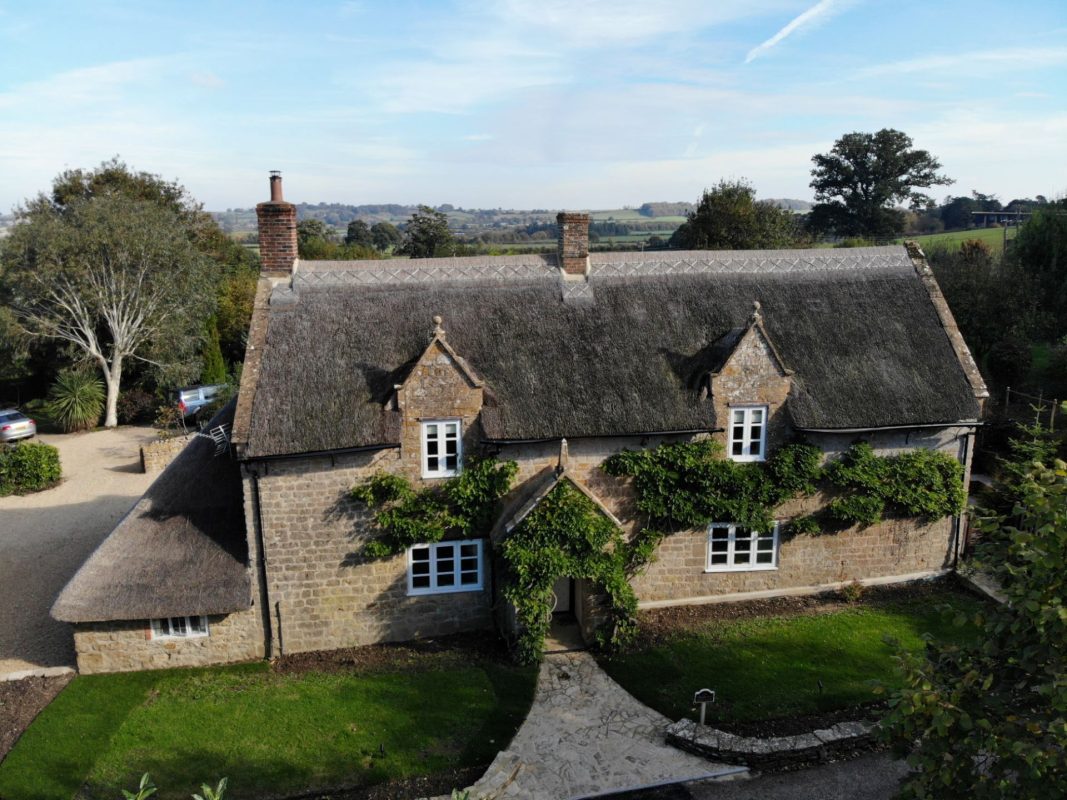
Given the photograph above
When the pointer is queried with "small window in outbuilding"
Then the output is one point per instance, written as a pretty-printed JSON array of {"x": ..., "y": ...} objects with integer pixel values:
[
  {"x": 442, "y": 448},
  {"x": 179, "y": 627},
  {"x": 748, "y": 433}
]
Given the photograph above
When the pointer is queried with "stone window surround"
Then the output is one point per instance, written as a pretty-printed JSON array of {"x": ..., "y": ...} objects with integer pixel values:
[
  {"x": 442, "y": 471},
  {"x": 754, "y": 538},
  {"x": 434, "y": 548},
  {"x": 747, "y": 440},
  {"x": 163, "y": 628}
]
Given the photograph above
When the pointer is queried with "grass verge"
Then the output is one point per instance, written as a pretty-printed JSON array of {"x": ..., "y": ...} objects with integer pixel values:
[
  {"x": 269, "y": 733},
  {"x": 771, "y": 667}
]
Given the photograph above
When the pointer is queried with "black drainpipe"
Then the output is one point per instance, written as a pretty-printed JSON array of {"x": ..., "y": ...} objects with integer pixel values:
[{"x": 261, "y": 566}]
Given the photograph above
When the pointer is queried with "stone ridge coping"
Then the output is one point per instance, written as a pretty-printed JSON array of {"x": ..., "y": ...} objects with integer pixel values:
[
  {"x": 712, "y": 743},
  {"x": 537, "y": 267}
]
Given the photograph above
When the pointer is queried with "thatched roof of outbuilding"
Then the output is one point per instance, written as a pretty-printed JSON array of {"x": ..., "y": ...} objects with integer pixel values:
[
  {"x": 622, "y": 353},
  {"x": 180, "y": 551}
]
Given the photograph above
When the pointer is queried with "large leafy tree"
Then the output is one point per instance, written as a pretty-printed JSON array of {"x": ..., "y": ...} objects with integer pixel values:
[
  {"x": 115, "y": 278},
  {"x": 385, "y": 235},
  {"x": 728, "y": 217},
  {"x": 988, "y": 719},
  {"x": 233, "y": 268},
  {"x": 427, "y": 235},
  {"x": 359, "y": 233},
  {"x": 859, "y": 183}
]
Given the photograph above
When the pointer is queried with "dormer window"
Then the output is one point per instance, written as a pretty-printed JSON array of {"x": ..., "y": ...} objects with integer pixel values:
[
  {"x": 748, "y": 433},
  {"x": 442, "y": 448}
]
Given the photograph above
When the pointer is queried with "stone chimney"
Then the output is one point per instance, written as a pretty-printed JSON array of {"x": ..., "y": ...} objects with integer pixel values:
[
  {"x": 573, "y": 243},
  {"x": 277, "y": 232}
]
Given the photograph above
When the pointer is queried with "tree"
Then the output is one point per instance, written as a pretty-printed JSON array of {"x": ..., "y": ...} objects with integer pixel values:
[
  {"x": 1040, "y": 250},
  {"x": 427, "y": 235},
  {"x": 359, "y": 233},
  {"x": 728, "y": 217},
  {"x": 168, "y": 361},
  {"x": 988, "y": 719},
  {"x": 213, "y": 371},
  {"x": 858, "y": 183},
  {"x": 385, "y": 235},
  {"x": 309, "y": 232},
  {"x": 113, "y": 277}
]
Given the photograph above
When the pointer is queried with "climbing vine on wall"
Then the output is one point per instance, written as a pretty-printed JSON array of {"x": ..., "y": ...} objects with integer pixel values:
[
  {"x": 462, "y": 506},
  {"x": 566, "y": 535},
  {"x": 686, "y": 485},
  {"x": 917, "y": 483}
]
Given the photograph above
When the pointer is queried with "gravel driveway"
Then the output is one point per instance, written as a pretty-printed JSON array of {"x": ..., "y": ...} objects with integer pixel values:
[{"x": 45, "y": 537}]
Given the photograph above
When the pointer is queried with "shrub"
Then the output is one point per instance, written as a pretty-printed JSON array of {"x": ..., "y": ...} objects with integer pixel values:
[
  {"x": 28, "y": 467},
  {"x": 76, "y": 400},
  {"x": 135, "y": 405},
  {"x": 852, "y": 592}
]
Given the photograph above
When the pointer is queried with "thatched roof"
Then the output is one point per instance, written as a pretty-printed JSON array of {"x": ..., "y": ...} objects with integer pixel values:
[
  {"x": 181, "y": 550},
  {"x": 858, "y": 328}
]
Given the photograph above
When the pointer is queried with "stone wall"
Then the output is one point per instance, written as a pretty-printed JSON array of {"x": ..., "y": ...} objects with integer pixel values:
[
  {"x": 322, "y": 593},
  {"x": 127, "y": 645},
  {"x": 752, "y": 375},
  {"x": 903, "y": 547},
  {"x": 155, "y": 456}
]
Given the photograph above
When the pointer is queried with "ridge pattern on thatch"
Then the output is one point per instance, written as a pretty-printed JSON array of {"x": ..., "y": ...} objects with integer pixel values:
[
  {"x": 180, "y": 551},
  {"x": 866, "y": 346}
]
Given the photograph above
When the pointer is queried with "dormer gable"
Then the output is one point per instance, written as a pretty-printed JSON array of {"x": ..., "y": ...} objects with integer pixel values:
[
  {"x": 749, "y": 390},
  {"x": 440, "y": 386}
]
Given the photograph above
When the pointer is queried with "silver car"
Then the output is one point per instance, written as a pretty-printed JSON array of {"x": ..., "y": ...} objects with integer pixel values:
[{"x": 15, "y": 425}]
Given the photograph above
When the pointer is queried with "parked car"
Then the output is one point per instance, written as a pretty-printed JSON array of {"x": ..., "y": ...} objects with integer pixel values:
[
  {"x": 193, "y": 398},
  {"x": 15, "y": 425}
]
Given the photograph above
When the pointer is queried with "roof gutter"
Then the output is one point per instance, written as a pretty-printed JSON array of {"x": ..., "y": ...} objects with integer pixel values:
[
  {"x": 603, "y": 436},
  {"x": 963, "y": 424},
  {"x": 341, "y": 451}
]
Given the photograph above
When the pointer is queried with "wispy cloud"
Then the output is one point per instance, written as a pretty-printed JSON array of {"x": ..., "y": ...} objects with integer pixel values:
[
  {"x": 820, "y": 11},
  {"x": 1012, "y": 58}
]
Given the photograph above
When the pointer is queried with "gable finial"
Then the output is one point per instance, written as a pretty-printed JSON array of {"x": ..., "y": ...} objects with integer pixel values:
[
  {"x": 564, "y": 455},
  {"x": 438, "y": 331},
  {"x": 757, "y": 314}
]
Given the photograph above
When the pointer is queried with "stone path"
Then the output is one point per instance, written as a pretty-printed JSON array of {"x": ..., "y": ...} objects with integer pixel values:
[{"x": 586, "y": 735}]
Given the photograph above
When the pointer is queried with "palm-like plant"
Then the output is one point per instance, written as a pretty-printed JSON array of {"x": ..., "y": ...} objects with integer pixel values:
[{"x": 76, "y": 400}]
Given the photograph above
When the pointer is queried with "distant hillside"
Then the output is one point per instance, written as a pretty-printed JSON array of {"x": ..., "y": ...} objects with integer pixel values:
[{"x": 802, "y": 206}]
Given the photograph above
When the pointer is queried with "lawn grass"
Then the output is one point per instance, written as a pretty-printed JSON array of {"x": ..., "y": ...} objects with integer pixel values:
[
  {"x": 992, "y": 237},
  {"x": 266, "y": 731},
  {"x": 767, "y": 668}
]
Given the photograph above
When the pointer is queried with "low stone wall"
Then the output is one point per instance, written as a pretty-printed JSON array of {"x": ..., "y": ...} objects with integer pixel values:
[
  {"x": 773, "y": 752},
  {"x": 124, "y": 646},
  {"x": 155, "y": 456}
]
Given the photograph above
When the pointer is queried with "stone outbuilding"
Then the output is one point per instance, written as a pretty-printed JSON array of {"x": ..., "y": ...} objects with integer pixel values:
[{"x": 411, "y": 366}]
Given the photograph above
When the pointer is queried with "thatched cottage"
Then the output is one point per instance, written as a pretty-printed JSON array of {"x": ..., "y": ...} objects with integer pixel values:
[{"x": 410, "y": 367}]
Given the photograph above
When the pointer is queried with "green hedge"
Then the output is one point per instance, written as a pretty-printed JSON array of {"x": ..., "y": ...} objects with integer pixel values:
[{"x": 28, "y": 467}]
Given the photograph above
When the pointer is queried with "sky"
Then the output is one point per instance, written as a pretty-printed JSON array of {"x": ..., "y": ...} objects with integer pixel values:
[{"x": 577, "y": 104}]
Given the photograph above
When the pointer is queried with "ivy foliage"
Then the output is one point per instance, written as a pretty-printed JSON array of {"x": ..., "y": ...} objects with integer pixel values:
[
  {"x": 987, "y": 719},
  {"x": 918, "y": 483},
  {"x": 566, "y": 535},
  {"x": 688, "y": 485},
  {"x": 463, "y": 506}
]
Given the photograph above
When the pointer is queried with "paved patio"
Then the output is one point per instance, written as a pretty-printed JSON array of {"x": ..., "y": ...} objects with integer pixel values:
[{"x": 586, "y": 735}]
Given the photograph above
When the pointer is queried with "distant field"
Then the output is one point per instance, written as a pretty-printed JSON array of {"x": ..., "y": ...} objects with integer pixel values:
[{"x": 992, "y": 237}]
